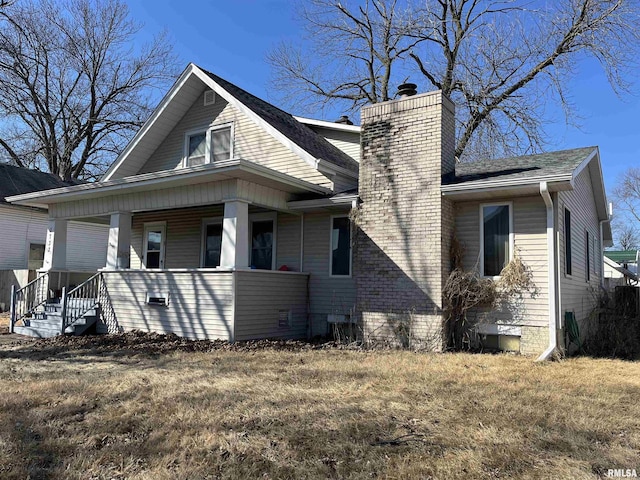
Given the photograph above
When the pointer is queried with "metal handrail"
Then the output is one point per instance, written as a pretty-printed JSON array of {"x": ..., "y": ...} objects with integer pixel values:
[
  {"x": 25, "y": 300},
  {"x": 78, "y": 301}
]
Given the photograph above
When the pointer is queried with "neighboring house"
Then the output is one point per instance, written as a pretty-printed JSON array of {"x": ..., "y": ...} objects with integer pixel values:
[
  {"x": 23, "y": 233},
  {"x": 621, "y": 267},
  {"x": 232, "y": 219}
]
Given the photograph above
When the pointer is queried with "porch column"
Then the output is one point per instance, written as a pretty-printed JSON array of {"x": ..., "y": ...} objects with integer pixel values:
[
  {"x": 119, "y": 247},
  {"x": 235, "y": 235},
  {"x": 55, "y": 250}
]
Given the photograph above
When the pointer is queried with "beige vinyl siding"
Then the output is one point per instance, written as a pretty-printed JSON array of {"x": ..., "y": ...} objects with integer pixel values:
[
  {"x": 261, "y": 296},
  {"x": 174, "y": 197},
  {"x": 288, "y": 241},
  {"x": 183, "y": 243},
  {"x": 348, "y": 142},
  {"x": 576, "y": 293},
  {"x": 86, "y": 242},
  {"x": 200, "y": 303},
  {"x": 530, "y": 242},
  {"x": 250, "y": 142},
  {"x": 327, "y": 295},
  {"x": 180, "y": 104}
]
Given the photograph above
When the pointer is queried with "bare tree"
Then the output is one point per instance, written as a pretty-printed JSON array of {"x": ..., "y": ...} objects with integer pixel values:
[
  {"x": 626, "y": 236},
  {"x": 626, "y": 196},
  {"x": 499, "y": 60},
  {"x": 73, "y": 85}
]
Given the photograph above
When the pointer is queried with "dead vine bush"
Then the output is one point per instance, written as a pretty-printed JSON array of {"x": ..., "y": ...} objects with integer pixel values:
[{"x": 465, "y": 290}]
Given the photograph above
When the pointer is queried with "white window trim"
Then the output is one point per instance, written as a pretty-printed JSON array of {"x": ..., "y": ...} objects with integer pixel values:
[
  {"x": 511, "y": 234},
  {"x": 203, "y": 236},
  {"x": 261, "y": 217},
  {"x": 163, "y": 243},
  {"x": 207, "y": 131},
  {"x": 331, "y": 275}
]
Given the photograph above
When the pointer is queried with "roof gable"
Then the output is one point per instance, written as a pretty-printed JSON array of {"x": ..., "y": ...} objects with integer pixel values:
[{"x": 298, "y": 138}]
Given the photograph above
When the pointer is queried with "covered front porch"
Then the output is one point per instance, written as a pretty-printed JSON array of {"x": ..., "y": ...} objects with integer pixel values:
[{"x": 215, "y": 259}]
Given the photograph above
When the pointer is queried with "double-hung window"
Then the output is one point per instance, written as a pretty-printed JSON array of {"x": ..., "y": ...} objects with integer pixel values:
[
  {"x": 208, "y": 145},
  {"x": 263, "y": 241},
  {"x": 340, "y": 255},
  {"x": 211, "y": 242},
  {"x": 587, "y": 256},
  {"x": 567, "y": 242},
  {"x": 496, "y": 238}
]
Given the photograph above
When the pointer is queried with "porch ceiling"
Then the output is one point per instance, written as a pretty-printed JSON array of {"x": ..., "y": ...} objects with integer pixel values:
[{"x": 231, "y": 169}]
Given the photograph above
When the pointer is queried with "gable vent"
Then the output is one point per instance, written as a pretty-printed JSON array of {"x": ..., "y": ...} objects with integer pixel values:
[{"x": 209, "y": 97}]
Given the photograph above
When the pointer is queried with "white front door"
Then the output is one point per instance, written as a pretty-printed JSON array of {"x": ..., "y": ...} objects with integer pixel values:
[{"x": 154, "y": 241}]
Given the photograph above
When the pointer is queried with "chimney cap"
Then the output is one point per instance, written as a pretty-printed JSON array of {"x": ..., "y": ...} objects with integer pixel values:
[
  {"x": 407, "y": 90},
  {"x": 344, "y": 119}
]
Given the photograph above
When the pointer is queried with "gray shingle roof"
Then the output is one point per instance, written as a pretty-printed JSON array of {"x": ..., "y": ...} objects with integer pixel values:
[
  {"x": 548, "y": 164},
  {"x": 284, "y": 122},
  {"x": 17, "y": 180}
]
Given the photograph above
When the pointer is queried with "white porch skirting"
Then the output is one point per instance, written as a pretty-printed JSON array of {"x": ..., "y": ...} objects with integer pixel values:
[{"x": 206, "y": 304}]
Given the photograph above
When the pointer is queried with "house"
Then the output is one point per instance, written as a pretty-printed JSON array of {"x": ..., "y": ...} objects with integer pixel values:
[
  {"x": 232, "y": 219},
  {"x": 620, "y": 267},
  {"x": 23, "y": 232}
]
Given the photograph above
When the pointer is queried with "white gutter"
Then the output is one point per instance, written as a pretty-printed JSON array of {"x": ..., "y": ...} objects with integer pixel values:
[
  {"x": 329, "y": 125},
  {"x": 163, "y": 179},
  {"x": 323, "y": 202},
  {"x": 483, "y": 185},
  {"x": 553, "y": 265}
]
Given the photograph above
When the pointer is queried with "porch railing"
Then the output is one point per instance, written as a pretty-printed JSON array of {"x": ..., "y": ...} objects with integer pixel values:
[
  {"x": 25, "y": 301},
  {"x": 80, "y": 300}
]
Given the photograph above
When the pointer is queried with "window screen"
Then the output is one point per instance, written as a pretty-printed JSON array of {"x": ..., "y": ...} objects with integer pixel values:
[{"x": 221, "y": 144}]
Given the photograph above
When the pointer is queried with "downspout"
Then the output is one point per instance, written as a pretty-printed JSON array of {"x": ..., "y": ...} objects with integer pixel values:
[
  {"x": 553, "y": 265},
  {"x": 609, "y": 215}
]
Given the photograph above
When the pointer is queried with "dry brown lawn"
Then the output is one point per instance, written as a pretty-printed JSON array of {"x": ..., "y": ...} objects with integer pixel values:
[{"x": 87, "y": 412}]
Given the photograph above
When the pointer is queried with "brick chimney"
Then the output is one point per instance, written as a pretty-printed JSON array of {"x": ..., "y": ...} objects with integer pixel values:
[{"x": 401, "y": 252}]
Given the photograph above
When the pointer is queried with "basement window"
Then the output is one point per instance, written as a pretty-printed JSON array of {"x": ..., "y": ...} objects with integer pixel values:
[
  {"x": 208, "y": 145},
  {"x": 496, "y": 238}
]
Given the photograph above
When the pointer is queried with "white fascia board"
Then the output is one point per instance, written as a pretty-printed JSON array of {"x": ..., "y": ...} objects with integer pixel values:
[
  {"x": 329, "y": 125},
  {"x": 162, "y": 106},
  {"x": 497, "y": 185},
  {"x": 331, "y": 169},
  {"x": 583, "y": 164},
  {"x": 159, "y": 178},
  {"x": 266, "y": 126},
  {"x": 597, "y": 183},
  {"x": 323, "y": 202}
]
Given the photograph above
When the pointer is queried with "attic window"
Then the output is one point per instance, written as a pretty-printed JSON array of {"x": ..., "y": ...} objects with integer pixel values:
[{"x": 207, "y": 146}]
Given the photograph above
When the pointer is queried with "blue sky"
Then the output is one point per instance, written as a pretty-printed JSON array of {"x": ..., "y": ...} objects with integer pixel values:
[{"x": 232, "y": 38}]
